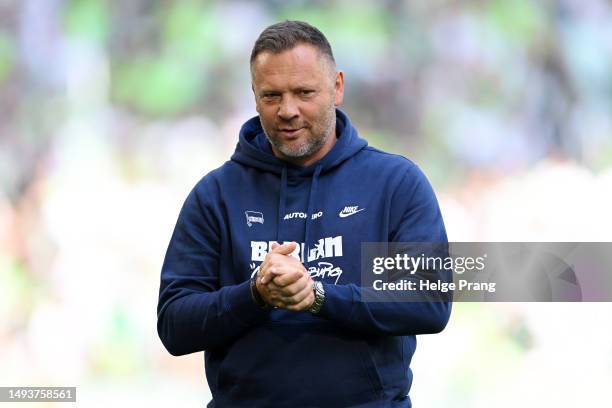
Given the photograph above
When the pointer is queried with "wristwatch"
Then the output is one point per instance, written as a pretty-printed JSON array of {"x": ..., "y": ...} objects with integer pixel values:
[
  {"x": 319, "y": 293},
  {"x": 256, "y": 296}
]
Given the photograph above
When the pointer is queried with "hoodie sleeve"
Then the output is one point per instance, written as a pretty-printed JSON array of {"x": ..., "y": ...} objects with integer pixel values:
[
  {"x": 414, "y": 217},
  {"x": 194, "y": 313}
]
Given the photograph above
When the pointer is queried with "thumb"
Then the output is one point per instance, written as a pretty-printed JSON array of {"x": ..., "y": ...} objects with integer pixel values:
[{"x": 284, "y": 249}]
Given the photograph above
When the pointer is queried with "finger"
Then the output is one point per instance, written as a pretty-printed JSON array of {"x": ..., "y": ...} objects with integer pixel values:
[
  {"x": 304, "y": 304},
  {"x": 267, "y": 266},
  {"x": 273, "y": 266},
  {"x": 284, "y": 249},
  {"x": 266, "y": 275},
  {"x": 264, "y": 292},
  {"x": 262, "y": 269},
  {"x": 277, "y": 263},
  {"x": 295, "y": 287},
  {"x": 271, "y": 287},
  {"x": 276, "y": 269},
  {"x": 299, "y": 296},
  {"x": 289, "y": 277}
]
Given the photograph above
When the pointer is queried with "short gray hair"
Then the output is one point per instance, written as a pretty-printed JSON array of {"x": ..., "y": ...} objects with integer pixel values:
[{"x": 287, "y": 34}]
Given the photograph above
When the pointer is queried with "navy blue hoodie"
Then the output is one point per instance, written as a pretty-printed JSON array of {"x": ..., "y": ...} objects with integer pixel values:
[{"x": 352, "y": 353}]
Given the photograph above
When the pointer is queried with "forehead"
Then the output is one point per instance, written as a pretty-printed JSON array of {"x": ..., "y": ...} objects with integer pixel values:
[{"x": 302, "y": 63}]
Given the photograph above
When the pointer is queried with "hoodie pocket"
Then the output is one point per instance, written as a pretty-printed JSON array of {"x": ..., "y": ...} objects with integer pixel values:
[{"x": 283, "y": 362}]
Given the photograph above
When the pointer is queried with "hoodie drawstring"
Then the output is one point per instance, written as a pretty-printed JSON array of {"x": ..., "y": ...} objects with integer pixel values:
[
  {"x": 309, "y": 210},
  {"x": 311, "y": 199},
  {"x": 281, "y": 202}
]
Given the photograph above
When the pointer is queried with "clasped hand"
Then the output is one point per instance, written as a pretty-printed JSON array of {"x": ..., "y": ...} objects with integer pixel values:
[{"x": 282, "y": 280}]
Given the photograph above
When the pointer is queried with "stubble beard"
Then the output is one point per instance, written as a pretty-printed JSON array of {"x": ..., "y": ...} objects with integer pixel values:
[{"x": 313, "y": 143}]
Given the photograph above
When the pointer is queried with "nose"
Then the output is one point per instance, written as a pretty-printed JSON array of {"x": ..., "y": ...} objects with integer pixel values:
[{"x": 288, "y": 108}]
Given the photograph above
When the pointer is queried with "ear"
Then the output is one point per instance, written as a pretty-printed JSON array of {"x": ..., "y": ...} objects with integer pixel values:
[
  {"x": 255, "y": 96},
  {"x": 339, "y": 88}
]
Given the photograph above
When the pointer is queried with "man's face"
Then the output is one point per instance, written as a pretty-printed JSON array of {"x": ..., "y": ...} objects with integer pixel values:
[{"x": 296, "y": 92}]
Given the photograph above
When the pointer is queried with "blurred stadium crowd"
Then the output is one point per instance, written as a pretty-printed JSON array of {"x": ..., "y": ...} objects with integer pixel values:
[{"x": 111, "y": 111}]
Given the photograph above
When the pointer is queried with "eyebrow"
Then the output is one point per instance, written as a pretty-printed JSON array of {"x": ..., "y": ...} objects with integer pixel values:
[{"x": 309, "y": 87}]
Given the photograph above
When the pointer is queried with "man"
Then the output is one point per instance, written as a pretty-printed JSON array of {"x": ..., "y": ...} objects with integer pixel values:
[{"x": 263, "y": 269}]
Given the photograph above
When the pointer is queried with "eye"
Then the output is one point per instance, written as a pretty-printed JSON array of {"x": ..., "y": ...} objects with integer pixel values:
[
  {"x": 270, "y": 95},
  {"x": 306, "y": 92}
]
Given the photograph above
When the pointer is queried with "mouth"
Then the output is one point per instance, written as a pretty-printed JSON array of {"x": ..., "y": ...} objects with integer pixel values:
[{"x": 290, "y": 132}]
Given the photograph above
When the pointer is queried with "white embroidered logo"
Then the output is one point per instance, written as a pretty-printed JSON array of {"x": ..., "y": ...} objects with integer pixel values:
[
  {"x": 350, "y": 210},
  {"x": 253, "y": 216},
  {"x": 297, "y": 214}
]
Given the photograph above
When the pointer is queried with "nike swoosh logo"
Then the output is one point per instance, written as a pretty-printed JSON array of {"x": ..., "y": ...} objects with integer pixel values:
[{"x": 348, "y": 214}]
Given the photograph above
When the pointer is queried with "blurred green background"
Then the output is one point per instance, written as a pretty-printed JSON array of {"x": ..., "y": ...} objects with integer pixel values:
[{"x": 111, "y": 111}]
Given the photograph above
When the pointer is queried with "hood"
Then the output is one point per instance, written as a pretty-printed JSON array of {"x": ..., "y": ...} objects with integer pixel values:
[{"x": 254, "y": 150}]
